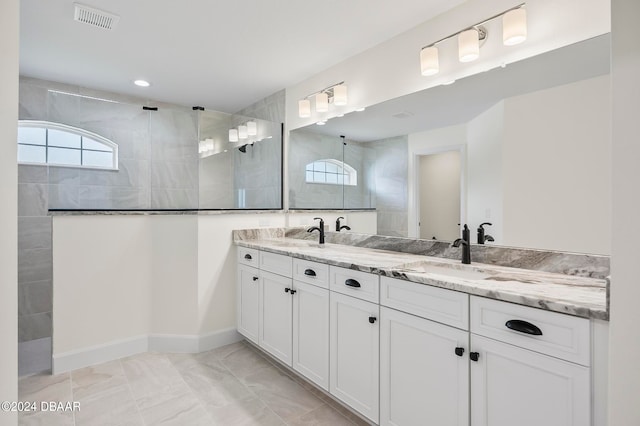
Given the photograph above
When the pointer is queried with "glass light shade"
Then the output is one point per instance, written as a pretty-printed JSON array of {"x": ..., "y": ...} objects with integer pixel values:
[
  {"x": 468, "y": 45},
  {"x": 202, "y": 147},
  {"x": 429, "y": 62},
  {"x": 514, "y": 27},
  {"x": 340, "y": 95},
  {"x": 252, "y": 128},
  {"x": 242, "y": 131},
  {"x": 322, "y": 102},
  {"x": 210, "y": 145},
  {"x": 304, "y": 108},
  {"x": 233, "y": 135}
]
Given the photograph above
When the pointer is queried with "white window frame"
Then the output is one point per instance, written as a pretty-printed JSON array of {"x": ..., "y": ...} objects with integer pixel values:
[
  {"x": 353, "y": 173},
  {"x": 38, "y": 124}
]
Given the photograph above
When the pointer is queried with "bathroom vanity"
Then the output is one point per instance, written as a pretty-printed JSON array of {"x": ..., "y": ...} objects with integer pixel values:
[{"x": 405, "y": 339}]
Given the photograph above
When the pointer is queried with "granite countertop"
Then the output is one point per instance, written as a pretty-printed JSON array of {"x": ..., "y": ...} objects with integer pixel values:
[{"x": 568, "y": 294}]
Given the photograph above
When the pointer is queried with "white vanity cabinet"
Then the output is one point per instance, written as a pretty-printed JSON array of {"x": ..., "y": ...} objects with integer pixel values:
[
  {"x": 521, "y": 377},
  {"x": 248, "y": 294},
  {"x": 355, "y": 340},
  {"x": 276, "y": 324},
  {"x": 424, "y": 364}
]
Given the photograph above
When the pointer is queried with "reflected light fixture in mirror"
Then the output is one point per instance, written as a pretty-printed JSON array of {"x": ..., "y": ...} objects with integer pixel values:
[
  {"x": 242, "y": 131},
  {"x": 233, "y": 135},
  {"x": 514, "y": 31},
  {"x": 252, "y": 128}
]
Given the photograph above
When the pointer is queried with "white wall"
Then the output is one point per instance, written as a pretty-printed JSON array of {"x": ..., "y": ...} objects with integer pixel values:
[
  {"x": 392, "y": 68},
  {"x": 624, "y": 373},
  {"x": 9, "y": 18},
  {"x": 485, "y": 177},
  {"x": 556, "y": 168}
]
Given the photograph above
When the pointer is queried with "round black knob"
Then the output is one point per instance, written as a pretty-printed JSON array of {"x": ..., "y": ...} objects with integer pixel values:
[
  {"x": 474, "y": 356},
  {"x": 372, "y": 319},
  {"x": 459, "y": 351}
]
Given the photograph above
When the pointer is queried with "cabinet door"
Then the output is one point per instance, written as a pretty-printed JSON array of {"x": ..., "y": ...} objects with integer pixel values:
[
  {"x": 311, "y": 333},
  {"x": 275, "y": 315},
  {"x": 423, "y": 379},
  {"x": 354, "y": 360},
  {"x": 248, "y": 302},
  {"x": 515, "y": 386}
]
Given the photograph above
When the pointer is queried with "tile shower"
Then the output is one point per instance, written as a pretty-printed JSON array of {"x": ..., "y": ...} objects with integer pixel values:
[{"x": 159, "y": 168}]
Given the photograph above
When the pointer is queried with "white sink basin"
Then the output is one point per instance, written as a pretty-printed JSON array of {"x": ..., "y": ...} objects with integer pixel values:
[{"x": 466, "y": 274}]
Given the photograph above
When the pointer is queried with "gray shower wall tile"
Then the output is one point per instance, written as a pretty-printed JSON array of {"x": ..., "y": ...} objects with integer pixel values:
[
  {"x": 36, "y": 326},
  {"x": 64, "y": 197},
  {"x": 34, "y": 265},
  {"x": 132, "y": 144},
  {"x": 131, "y": 173},
  {"x": 33, "y": 174},
  {"x": 112, "y": 197},
  {"x": 35, "y": 298},
  {"x": 32, "y": 103},
  {"x": 33, "y": 199},
  {"x": 34, "y": 233},
  {"x": 175, "y": 123},
  {"x": 271, "y": 108},
  {"x": 174, "y": 175},
  {"x": 173, "y": 148},
  {"x": 174, "y": 199}
]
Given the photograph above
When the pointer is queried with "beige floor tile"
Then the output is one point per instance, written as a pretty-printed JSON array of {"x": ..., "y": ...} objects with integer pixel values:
[
  {"x": 46, "y": 418},
  {"x": 250, "y": 412},
  {"x": 96, "y": 379},
  {"x": 282, "y": 394},
  {"x": 177, "y": 406},
  {"x": 110, "y": 407},
  {"x": 244, "y": 362},
  {"x": 224, "y": 351},
  {"x": 45, "y": 387},
  {"x": 150, "y": 374},
  {"x": 215, "y": 387},
  {"x": 321, "y": 416}
]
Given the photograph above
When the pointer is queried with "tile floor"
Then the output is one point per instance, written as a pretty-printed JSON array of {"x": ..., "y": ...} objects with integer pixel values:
[{"x": 231, "y": 385}]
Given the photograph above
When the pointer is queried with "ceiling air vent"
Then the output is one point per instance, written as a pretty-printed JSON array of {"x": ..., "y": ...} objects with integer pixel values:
[{"x": 95, "y": 17}]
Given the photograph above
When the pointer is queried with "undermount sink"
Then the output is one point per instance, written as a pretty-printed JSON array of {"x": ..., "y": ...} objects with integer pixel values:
[{"x": 428, "y": 268}]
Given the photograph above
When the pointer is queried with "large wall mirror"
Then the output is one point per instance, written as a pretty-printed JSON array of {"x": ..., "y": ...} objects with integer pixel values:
[
  {"x": 525, "y": 147},
  {"x": 245, "y": 174}
]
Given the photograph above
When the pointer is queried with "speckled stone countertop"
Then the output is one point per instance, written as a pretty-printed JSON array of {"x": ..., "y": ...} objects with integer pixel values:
[{"x": 573, "y": 295}]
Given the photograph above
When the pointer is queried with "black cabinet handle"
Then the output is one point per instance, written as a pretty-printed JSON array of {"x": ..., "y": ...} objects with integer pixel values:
[
  {"x": 523, "y": 327},
  {"x": 474, "y": 356},
  {"x": 255, "y": 278},
  {"x": 310, "y": 272},
  {"x": 459, "y": 351},
  {"x": 372, "y": 319},
  {"x": 352, "y": 283},
  {"x": 286, "y": 290},
  {"x": 293, "y": 291},
  {"x": 248, "y": 256}
]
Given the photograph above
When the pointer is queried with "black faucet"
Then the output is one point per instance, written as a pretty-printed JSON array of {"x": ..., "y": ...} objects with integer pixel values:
[
  {"x": 481, "y": 236},
  {"x": 340, "y": 228},
  {"x": 318, "y": 228},
  {"x": 466, "y": 245}
]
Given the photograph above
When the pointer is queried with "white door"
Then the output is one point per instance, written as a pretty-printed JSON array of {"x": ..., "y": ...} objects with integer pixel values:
[
  {"x": 275, "y": 315},
  {"x": 354, "y": 361},
  {"x": 311, "y": 333},
  {"x": 514, "y": 386},
  {"x": 424, "y": 372},
  {"x": 248, "y": 299}
]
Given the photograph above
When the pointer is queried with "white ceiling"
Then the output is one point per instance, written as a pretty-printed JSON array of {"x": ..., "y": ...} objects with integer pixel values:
[{"x": 224, "y": 55}]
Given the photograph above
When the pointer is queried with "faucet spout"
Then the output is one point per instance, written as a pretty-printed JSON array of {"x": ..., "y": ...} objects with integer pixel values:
[
  {"x": 466, "y": 245},
  {"x": 319, "y": 228}
]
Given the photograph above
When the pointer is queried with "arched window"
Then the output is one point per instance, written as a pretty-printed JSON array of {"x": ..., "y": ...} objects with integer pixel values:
[
  {"x": 330, "y": 171},
  {"x": 43, "y": 142}
]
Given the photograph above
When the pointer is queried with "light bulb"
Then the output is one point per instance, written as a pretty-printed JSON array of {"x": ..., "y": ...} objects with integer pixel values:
[
  {"x": 429, "y": 63},
  {"x": 514, "y": 27},
  {"x": 304, "y": 108},
  {"x": 242, "y": 131},
  {"x": 340, "y": 95},
  {"x": 252, "y": 128},
  {"x": 322, "y": 102},
  {"x": 233, "y": 135},
  {"x": 468, "y": 45}
]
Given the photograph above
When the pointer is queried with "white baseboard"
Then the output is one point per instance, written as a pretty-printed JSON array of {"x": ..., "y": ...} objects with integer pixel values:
[
  {"x": 98, "y": 354},
  {"x": 172, "y": 343}
]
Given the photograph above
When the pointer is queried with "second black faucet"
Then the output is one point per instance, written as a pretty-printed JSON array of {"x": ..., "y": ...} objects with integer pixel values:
[{"x": 466, "y": 245}]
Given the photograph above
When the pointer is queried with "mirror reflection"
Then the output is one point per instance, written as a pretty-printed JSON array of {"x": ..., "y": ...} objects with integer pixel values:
[{"x": 523, "y": 149}]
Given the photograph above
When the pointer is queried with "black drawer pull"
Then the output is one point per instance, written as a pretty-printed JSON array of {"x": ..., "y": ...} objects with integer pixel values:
[
  {"x": 372, "y": 319},
  {"x": 255, "y": 278},
  {"x": 523, "y": 327},
  {"x": 310, "y": 272},
  {"x": 474, "y": 356},
  {"x": 459, "y": 351},
  {"x": 352, "y": 283},
  {"x": 248, "y": 256}
]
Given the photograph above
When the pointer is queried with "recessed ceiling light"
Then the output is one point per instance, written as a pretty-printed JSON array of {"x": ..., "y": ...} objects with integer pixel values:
[{"x": 142, "y": 83}]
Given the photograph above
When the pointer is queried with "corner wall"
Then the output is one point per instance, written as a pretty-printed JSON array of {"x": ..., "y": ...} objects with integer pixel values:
[
  {"x": 9, "y": 35},
  {"x": 624, "y": 340}
]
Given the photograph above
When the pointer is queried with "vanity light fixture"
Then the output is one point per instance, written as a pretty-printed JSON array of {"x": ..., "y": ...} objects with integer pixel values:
[
  {"x": 233, "y": 135},
  {"x": 252, "y": 128},
  {"x": 335, "y": 94},
  {"x": 242, "y": 132},
  {"x": 514, "y": 31}
]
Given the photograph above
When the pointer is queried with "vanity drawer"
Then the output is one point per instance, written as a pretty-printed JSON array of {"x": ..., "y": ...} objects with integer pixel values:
[
  {"x": 276, "y": 263},
  {"x": 248, "y": 256},
  {"x": 563, "y": 336},
  {"x": 437, "y": 304},
  {"x": 311, "y": 272},
  {"x": 354, "y": 283}
]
